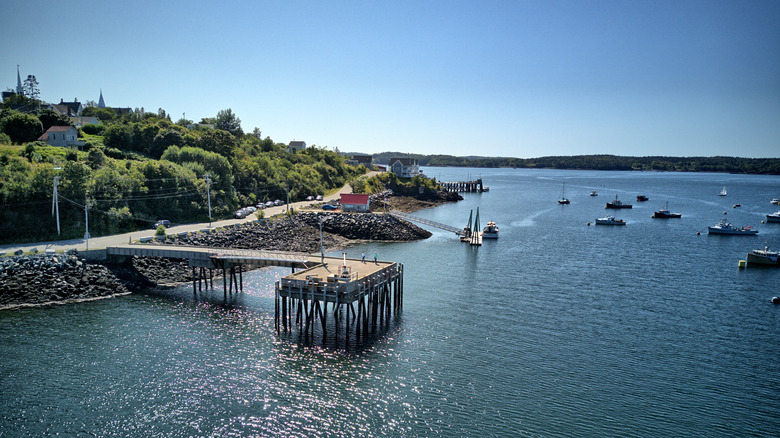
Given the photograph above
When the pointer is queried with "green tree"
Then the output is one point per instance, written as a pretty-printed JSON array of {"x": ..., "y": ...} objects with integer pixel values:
[
  {"x": 219, "y": 141},
  {"x": 103, "y": 114},
  {"x": 51, "y": 118},
  {"x": 165, "y": 139},
  {"x": 227, "y": 121},
  {"x": 22, "y": 127},
  {"x": 119, "y": 137},
  {"x": 30, "y": 87}
]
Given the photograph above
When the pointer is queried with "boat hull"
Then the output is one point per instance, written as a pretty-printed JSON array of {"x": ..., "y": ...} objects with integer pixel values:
[
  {"x": 663, "y": 215},
  {"x": 772, "y": 218},
  {"x": 713, "y": 230},
  {"x": 616, "y": 206},
  {"x": 759, "y": 257},
  {"x": 489, "y": 235}
]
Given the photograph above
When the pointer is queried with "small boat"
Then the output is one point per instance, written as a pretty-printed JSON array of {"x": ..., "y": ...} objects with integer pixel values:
[
  {"x": 774, "y": 217},
  {"x": 563, "y": 199},
  {"x": 609, "y": 220},
  {"x": 737, "y": 205},
  {"x": 490, "y": 231},
  {"x": 618, "y": 204},
  {"x": 594, "y": 193},
  {"x": 485, "y": 188},
  {"x": 763, "y": 257},
  {"x": 723, "y": 227},
  {"x": 641, "y": 198},
  {"x": 723, "y": 192},
  {"x": 775, "y": 201},
  {"x": 664, "y": 213}
]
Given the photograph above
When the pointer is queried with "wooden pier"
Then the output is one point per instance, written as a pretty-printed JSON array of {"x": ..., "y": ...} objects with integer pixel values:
[
  {"x": 361, "y": 295},
  {"x": 465, "y": 186}
]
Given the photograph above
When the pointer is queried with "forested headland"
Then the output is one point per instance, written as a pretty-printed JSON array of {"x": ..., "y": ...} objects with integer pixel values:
[
  {"x": 136, "y": 168},
  {"x": 767, "y": 166}
]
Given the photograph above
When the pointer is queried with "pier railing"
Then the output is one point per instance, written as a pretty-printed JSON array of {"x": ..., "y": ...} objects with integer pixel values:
[{"x": 425, "y": 221}]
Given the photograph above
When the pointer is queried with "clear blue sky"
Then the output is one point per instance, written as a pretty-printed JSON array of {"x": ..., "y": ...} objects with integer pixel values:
[{"x": 491, "y": 78}]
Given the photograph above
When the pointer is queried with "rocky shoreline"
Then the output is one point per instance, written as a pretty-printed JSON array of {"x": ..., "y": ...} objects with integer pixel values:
[{"x": 59, "y": 278}]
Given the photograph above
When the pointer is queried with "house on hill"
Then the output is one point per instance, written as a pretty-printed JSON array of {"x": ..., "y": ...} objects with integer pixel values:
[
  {"x": 404, "y": 167},
  {"x": 296, "y": 146},
  {"x": 358, "y": 160},
  {"x": 354, "y": 202},
  {"x": 65, "y": 136},
  {"x": 70, "y": 109},
  {"x": 79, "y": 122}
]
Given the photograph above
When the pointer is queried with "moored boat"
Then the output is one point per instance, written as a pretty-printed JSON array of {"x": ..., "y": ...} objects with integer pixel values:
[
  {"x": 609, "y": 220},
  {"x": 763, "y": 257},
  {"x": 723, "y": 227},
  {"x": 664, "y": 213},
  {"x": 723, "y": 192},
  {"x": 490, "y": 231},
  {"x": 775, "y": 201},
  {"x": 617, "y": 204},
  {"x": 563, "y": 199},
  {"x": 642, "y": 198},
  {"x": 774, "y": 217},
  {"x": 594, "y": 193}
]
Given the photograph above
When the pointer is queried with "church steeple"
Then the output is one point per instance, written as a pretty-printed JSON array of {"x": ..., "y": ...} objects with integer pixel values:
[
  {"x": 101, "y": 103},
  {"x": 19, "y": 89}
]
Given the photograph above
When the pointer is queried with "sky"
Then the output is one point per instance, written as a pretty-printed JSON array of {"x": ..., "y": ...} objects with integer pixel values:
[{"x": 489, "y": 78}]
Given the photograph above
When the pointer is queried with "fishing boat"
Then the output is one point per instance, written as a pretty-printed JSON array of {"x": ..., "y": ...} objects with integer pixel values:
[
  {"x": 594, "y": 193},
  {"x": 775, "y": 201},
  {"x": 723, "y": 192},
  {"x": 641, "y": 198},
  {"x": 664, "y": 213},
  {"x": 763, "y": 257},
  {"x": 490, "y": 231},
  {"x": 563, "y": 199},
  {"x": 774, "y": 217},
  {"x": 609, "y": 220},
  {"x": 618, "y": 204},
  {"x": 723, "y": 227}
]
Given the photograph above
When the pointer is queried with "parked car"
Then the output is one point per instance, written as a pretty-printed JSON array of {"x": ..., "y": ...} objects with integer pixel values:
[
  {"x": 164, "y": 222},
  {"x": 240, "y": 214},
  {"x": 269, "y": 204},
  {"x": 329, "y": 207},
  {"x": 319, "y": 197},
  {"x": 310, "y": 198},
  {"x": 278, "y": 202}
]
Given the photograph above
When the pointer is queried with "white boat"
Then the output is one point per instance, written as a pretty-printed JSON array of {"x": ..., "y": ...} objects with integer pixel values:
[
  {"x": 763, "y": 257},
  {"x": 609, "y": 220},
  {"x": 774, "y": 217},
  {"x": 563, "y": 199},
  {"x": 723, "y": 192},
  {"x": 723, "y": 227},
  {"x": 490, "y": 231},
  {"x": 775, "y": 201},
  {"x": 594, "y": 193}
]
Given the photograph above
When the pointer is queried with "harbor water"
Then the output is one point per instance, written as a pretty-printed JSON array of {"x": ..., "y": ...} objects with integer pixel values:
[{"x": 557, "y": 328}]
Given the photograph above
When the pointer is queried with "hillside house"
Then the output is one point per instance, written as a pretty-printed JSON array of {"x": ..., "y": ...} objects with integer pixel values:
[
  {"x": 358, "y": 160},
  {"x": 354, "y": 202},
  {"x": 404, "y": 167},
  {"x": 65, "y": 136},
  {"x": 296, "y": 146}
]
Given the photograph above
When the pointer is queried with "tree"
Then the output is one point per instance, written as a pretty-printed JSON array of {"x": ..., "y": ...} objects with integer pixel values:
[
  {"x": 31, "y": 87},
  {"x": 51, "y": 118},
  {"x": 227, "y": 121},
  {"x": 103, "y": 114},
  {"x": 22, "y": 127},
  {"x": 219, "y": 141}
]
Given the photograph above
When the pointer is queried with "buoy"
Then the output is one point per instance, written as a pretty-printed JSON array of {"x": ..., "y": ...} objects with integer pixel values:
[
  {"x": 698, "y": 233},
  {"x": 776, "y": 300},
  {"x": 762, "y": 222},
  {"x": 724, "y": 212},
  {"x": 742, "y": 264},
  {"x": 588, "y": 223}
]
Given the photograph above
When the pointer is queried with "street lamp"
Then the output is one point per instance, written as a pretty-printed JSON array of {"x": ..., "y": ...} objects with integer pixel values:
[
  {"x": 208, "y": 194},
  {"x": 55, "y": 201}
]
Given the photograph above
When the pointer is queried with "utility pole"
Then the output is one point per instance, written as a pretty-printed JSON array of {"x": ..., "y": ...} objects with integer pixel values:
[
  {"x": 288, "y": 195},
  {"x": 322, "y": 247},
  {"x": 55, "y": 202},
  {"x": 86, "y": 215},
  {"x": 208, "y": 194}
]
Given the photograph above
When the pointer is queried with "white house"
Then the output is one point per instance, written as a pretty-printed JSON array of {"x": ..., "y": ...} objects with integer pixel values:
[
  {"x": 404, "y": 167},
  {"x": 65, "y": 136},
  {"x": 296, "y": 146},
  {"x": 354, "y": 202}
]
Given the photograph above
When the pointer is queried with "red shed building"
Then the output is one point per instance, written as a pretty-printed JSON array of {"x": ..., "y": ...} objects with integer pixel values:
[{"x": 354, "y": 202}]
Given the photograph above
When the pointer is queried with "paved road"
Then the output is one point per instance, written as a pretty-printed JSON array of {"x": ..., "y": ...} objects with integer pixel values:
[{"x": 120, "y": 239}]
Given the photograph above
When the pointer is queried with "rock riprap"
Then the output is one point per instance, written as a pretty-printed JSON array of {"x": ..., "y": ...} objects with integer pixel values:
[{"x": 40, "y": 279}]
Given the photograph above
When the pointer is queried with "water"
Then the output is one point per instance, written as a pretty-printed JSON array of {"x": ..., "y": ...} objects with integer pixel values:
[{"x": 556, "y": 329}]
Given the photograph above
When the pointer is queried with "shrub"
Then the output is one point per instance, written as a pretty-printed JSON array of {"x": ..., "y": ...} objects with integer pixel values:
[{"x": 160, "y": 231}]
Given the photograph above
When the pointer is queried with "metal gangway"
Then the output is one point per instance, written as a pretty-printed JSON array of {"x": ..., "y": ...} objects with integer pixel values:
[{"x": 421, "y": 220}]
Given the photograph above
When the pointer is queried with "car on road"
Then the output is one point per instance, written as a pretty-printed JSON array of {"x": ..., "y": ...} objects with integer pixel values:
[
  {"x": 310, "y": 198},
  {"x": 278, "y": 202},
  {"x": 319, "y": 197},
  {"x": 164, "y": 222},
  {"x": 329, "y": 207},
  {"x": 269, "y": 204}
]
